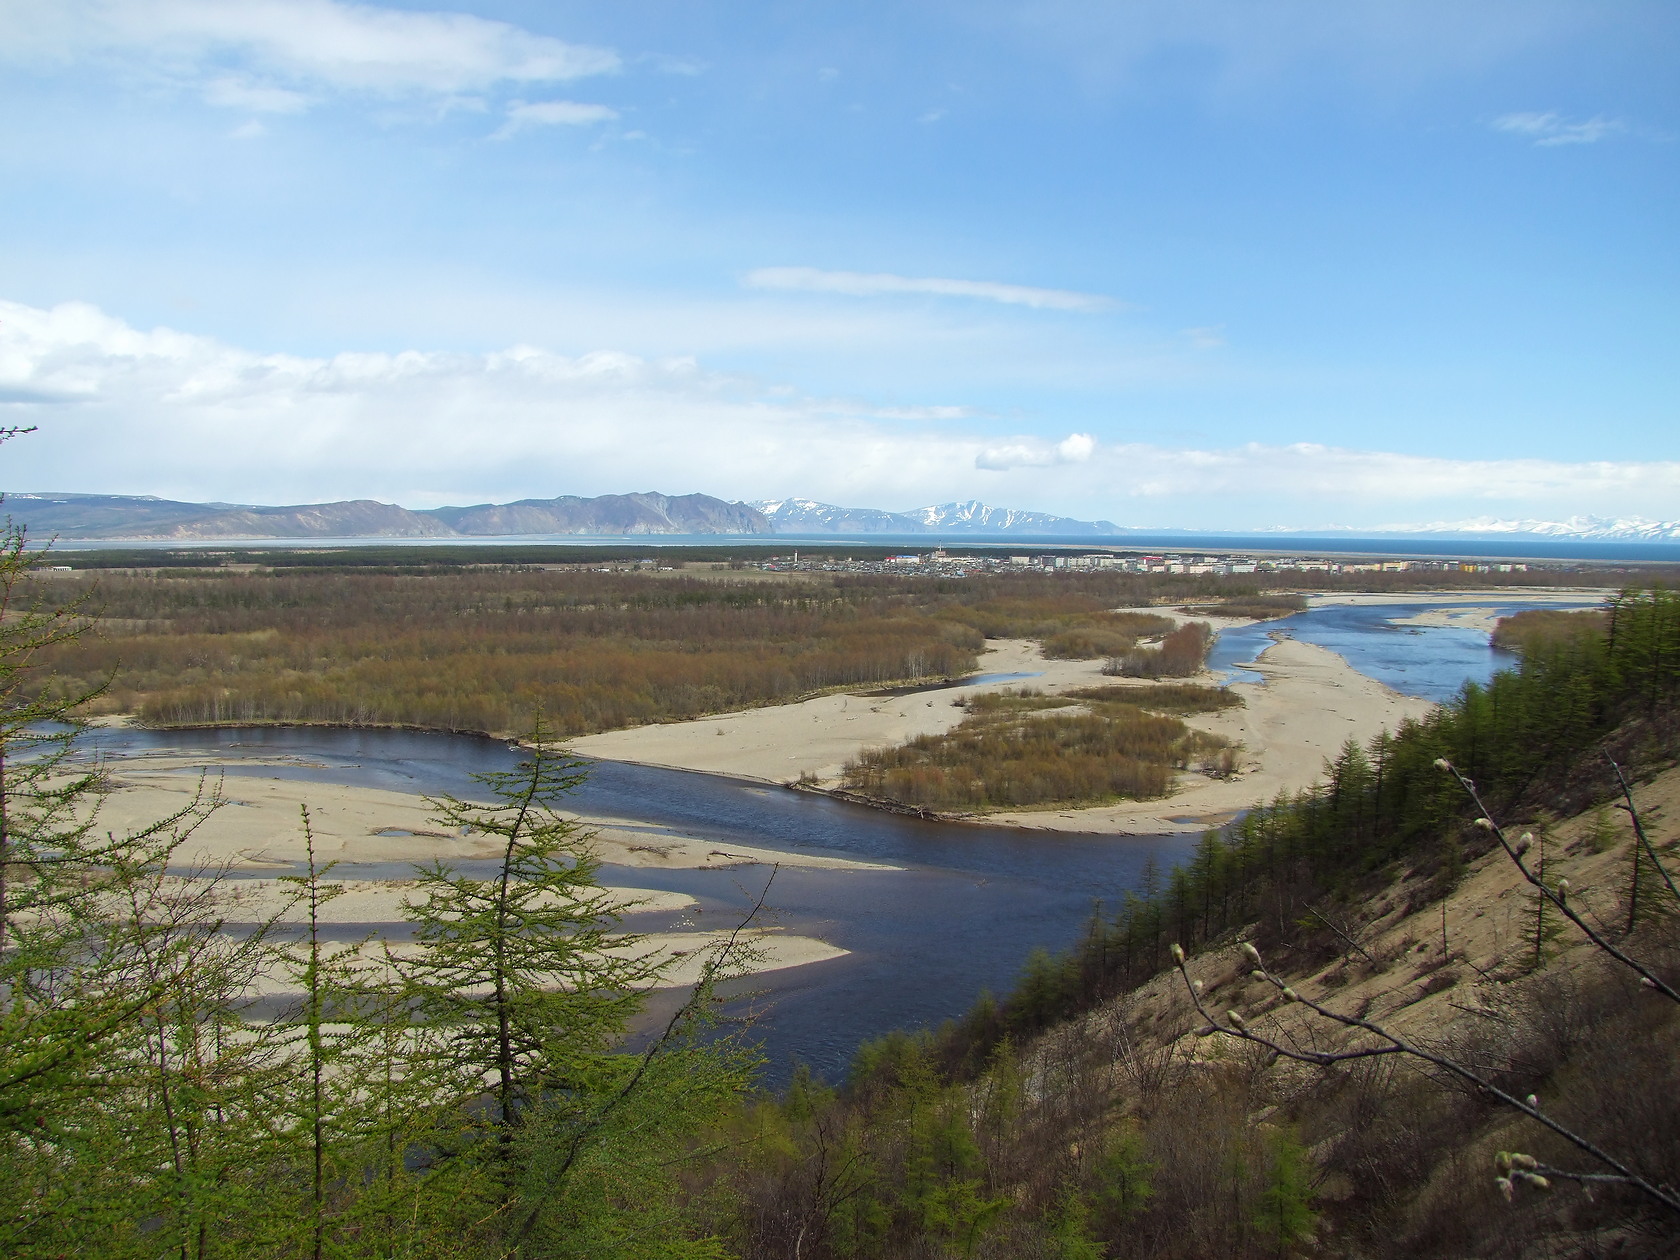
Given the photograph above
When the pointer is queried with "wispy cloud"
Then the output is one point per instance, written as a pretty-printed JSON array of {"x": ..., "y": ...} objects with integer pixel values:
[
  {"x": 126, "y": 410},
  {"x": 282, "y": 46},
  {"x": 882, "y": 284},
  {"x": 230, "y": 92},
  {"x": 553, "y": 114},
  {"x": 1548, "y": 129},
  {"x": 1208, "y": 337},
  {"x": 1076, "y": 448}
]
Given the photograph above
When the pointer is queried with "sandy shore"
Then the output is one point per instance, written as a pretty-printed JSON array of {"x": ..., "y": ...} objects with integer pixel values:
[
  {"x": 680, "y": 957},
  {"x": 817, "y": 737},
  {"x": 258, "y": 828}
]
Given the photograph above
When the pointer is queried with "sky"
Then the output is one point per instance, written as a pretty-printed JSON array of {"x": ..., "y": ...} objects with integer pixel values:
[{"x": 1208, "y": 264}]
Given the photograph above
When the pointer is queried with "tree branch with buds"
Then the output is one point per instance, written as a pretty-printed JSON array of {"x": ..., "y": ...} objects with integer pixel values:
[
  {"x": 1389, "y": 1042},
  {"x": 1559, "y": 896}
]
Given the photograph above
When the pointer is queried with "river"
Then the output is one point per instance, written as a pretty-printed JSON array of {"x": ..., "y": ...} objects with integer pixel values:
[{"x": 967, "y": 907}]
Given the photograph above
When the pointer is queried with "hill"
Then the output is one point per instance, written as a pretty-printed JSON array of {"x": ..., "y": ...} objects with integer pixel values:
[{"x": 112, "y": 516}]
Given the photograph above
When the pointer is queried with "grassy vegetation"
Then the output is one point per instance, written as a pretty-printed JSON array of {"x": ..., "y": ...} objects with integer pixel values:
[
  {"x": 1256, "y": 607},
  {"x": 1009, "y": 753},
  {"x": 1178, "y": 698}
]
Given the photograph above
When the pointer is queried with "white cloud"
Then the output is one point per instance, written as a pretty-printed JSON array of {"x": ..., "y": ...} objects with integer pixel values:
[
  {"x": 124, "y": 410},
  {"x": 554, "y": 114},
  {"x": 1549, "y": 129},
  {"x": 252, "y": 130},
  {"x": 230, "y": 92},
  {"x": 325, "y": 44},
  {"x": 1076, "y": 448},
  {"x": 879, "y": 284}
]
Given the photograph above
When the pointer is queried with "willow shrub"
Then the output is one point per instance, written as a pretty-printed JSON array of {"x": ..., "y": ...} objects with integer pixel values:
[{"x": 1004, "y": 758}]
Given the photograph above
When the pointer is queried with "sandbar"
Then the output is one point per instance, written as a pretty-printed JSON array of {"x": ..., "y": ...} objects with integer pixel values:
[{"x": 258, "y": 825}]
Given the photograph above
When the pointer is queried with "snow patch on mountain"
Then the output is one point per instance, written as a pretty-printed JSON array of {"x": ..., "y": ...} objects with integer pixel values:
[
  {"x": 970, "y": 517},
  {"x": 1586, "y": 528}
]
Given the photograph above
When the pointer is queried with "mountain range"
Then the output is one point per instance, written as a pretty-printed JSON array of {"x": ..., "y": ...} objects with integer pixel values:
[
  {"x": 139, "y": 517},
  {"x": 1584, "y": 528},
  {"x": 116, "y": 517},
  {"x": 807, "y": 516}
]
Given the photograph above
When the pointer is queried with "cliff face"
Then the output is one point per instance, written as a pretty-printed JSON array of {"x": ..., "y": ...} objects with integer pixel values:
[{"x": 88, "y": 516}]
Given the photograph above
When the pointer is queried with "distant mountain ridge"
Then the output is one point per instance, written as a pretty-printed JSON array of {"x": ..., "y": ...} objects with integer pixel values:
[
  {"x": 150, "y": 519},
  {"x": 807, "y": 516},
  {"x": 1585, "y": 528}
]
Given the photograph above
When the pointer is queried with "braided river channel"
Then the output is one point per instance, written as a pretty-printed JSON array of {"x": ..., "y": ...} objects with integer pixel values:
[{"x": 961, "y": 913}]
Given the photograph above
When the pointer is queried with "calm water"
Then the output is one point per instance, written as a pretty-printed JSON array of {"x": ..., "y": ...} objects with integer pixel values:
[
  {"x": 970, "y": 904},
  {"x": 962, "y": 915},
  {"x": 1428, "y": 661}
]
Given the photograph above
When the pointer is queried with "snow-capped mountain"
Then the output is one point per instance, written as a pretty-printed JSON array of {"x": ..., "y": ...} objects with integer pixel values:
[
  {"x": 975, "y": 517},
  {"x": 807, "y": 516},
  {"x": 1586, "y": 528}
]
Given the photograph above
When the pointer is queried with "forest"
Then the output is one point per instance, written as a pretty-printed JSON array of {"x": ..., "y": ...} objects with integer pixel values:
[
  {"x": 485, "y": 651},
  {"x": 487, "y": 648}
]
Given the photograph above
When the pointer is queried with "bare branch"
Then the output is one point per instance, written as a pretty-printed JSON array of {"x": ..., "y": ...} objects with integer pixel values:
[
  {"x": 1639, "y": 827},
  {"x": 1393, "y": 1043},
  {"x": 1560, "y": 897}
]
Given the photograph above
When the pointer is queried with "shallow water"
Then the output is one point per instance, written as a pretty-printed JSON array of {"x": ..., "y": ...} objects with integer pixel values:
[{"x": 1432, "y": 662}]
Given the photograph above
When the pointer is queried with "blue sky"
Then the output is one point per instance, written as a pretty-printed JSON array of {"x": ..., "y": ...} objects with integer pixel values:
[{"x": 1218, "y": 265}]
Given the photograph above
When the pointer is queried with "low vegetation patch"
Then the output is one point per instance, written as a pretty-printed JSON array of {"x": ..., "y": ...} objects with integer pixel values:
[
  {"x": 1256, "y": 607},
  {"x": 487, "y": 650},
  {"x": 1008, "y": 753},
  {"x": 1162, "y": 698},
  {"x": 1180, "y": 654}
]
